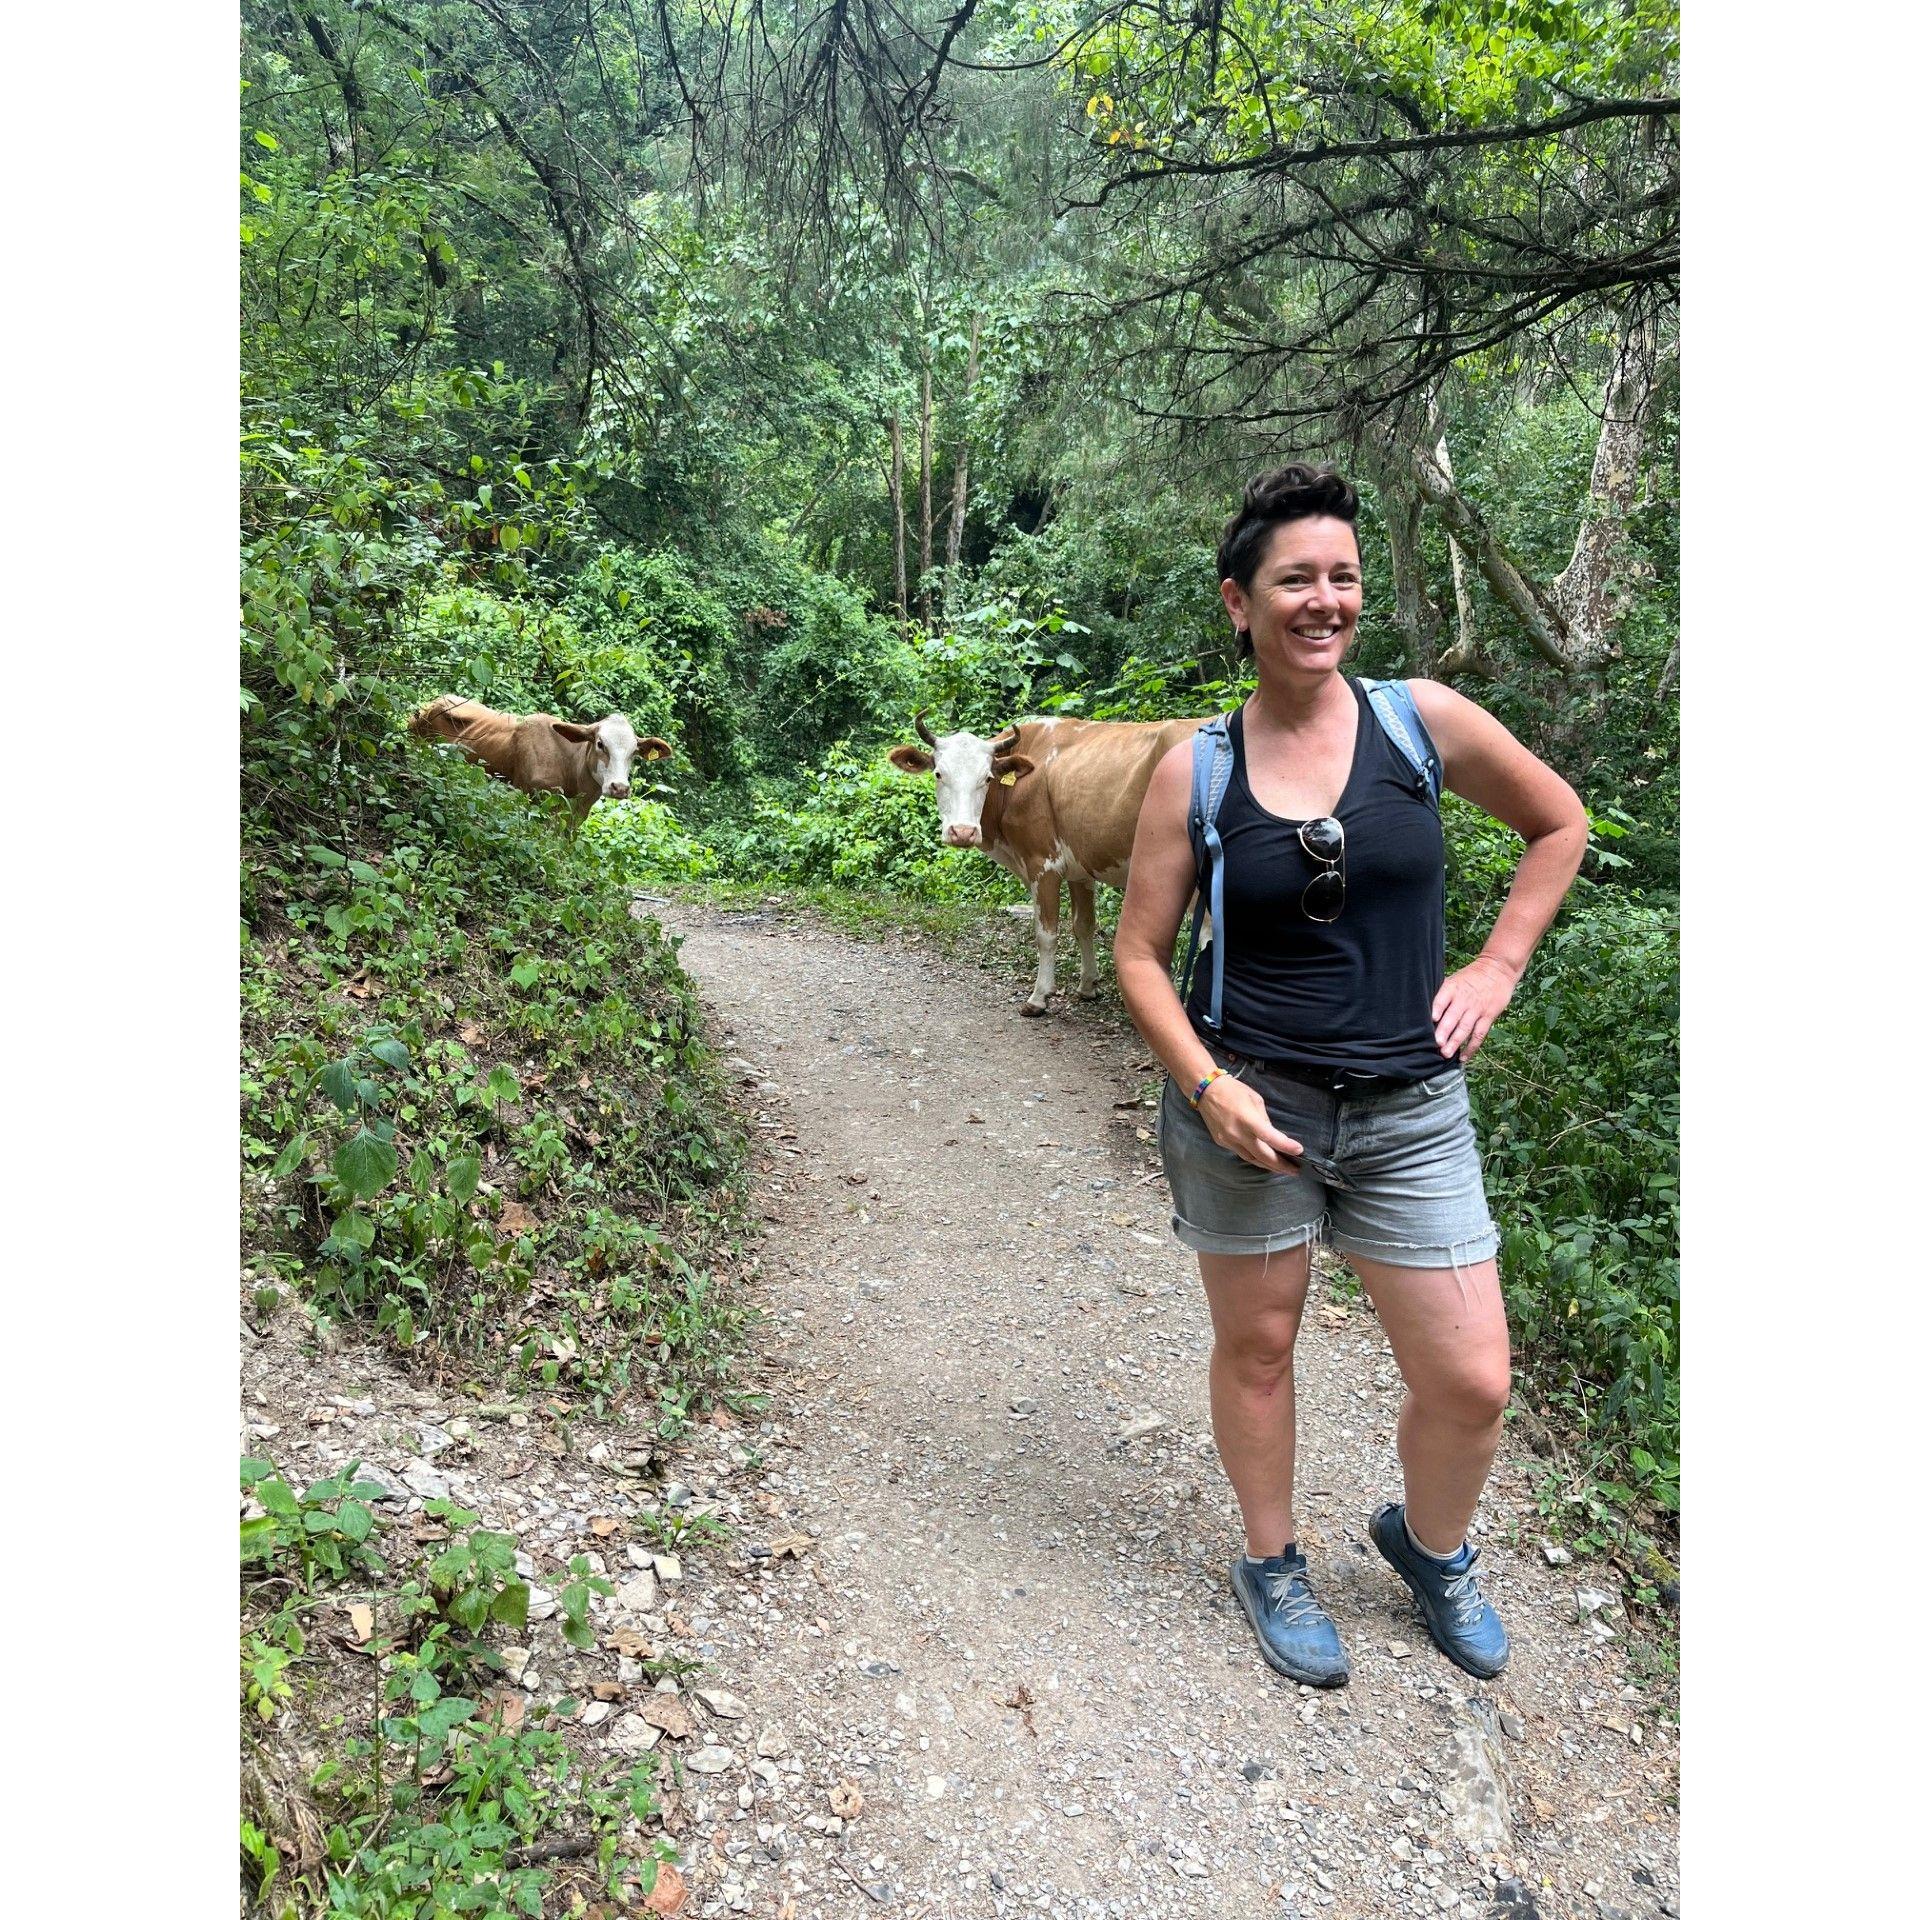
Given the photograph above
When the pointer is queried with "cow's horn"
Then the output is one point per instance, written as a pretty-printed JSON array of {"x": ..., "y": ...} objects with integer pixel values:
[
  {"x": 1004, "y": 739},
  {"x": 920, "y": 727}
]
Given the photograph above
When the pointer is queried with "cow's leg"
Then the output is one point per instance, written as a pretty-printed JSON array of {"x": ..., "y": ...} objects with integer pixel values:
[
  {"x": 582, "y": 804},
  {"x": 1046, "y": 933},
  {"x": 1081, "y": 893}
]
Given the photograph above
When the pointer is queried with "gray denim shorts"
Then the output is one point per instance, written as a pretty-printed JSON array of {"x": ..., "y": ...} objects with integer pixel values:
[{"x": 1391, "y": 1174}]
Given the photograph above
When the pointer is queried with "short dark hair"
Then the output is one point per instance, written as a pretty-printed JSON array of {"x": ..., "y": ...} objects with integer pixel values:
[{"x": 1272, "y": 499}]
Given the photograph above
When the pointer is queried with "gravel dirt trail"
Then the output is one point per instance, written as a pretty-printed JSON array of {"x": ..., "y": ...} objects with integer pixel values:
[
  {"x": 996, "y": 1427},
  {"x": 974, "y": 1646}
]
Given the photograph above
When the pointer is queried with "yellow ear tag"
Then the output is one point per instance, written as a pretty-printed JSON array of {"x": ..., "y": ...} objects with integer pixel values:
[{"x": 1008, "y": 779}]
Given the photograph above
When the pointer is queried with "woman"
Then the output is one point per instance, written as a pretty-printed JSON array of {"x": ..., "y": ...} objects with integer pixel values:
[{"x": 1332, "y": 1103}]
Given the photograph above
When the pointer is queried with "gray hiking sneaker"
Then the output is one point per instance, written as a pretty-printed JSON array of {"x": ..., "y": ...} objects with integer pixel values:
[
  {"x": 1459, "y": 1616},
  {"x": 1296, "y": 1637}
]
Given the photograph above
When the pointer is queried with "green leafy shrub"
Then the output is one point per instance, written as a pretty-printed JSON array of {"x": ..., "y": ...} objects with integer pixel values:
[
  {"x": 651, "y": 605},
  {"x": 637, "y": 841},
  {"x": 460, "y": 1046},
  {"x": 864, "y": 825},
  {"x": 323, "y": 1533},
  {"x": 1577, "y": 1096},
  {"x": 472, "y": 1577},
  {"x": 991, "y": 664},
  {"x": 524, "y": 656}
]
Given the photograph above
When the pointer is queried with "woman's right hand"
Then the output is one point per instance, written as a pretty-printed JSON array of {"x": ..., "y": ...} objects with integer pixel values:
[{"x": 1236, "y": 1116}]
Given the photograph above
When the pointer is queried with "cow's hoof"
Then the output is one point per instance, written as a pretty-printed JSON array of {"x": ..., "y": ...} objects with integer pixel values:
[
  {"x": 1032, "y": 1012},
  {"x": 1087, "y": 993}
]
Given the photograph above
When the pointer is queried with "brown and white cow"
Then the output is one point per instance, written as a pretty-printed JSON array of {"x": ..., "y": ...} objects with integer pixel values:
[
  {"x": 1052, "y": 801},
  {"x": 539, "y": 754}
]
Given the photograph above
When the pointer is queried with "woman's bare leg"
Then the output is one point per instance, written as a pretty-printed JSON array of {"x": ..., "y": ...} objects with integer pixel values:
[
  {"x": 1449, "y": 1336},
  {"x": 1256, "y": 1301}
]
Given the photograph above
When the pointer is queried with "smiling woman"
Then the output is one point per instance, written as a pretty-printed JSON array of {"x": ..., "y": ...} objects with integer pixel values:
[{"x": 1322, "y": 1097}]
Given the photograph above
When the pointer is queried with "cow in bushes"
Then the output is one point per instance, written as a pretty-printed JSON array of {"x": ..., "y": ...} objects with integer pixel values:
[
  {"x": 1051, "y": 801},
  {"x": 585, "y": 760}
]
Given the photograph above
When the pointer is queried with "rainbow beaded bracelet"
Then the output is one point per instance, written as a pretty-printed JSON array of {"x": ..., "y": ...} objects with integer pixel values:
[{"x": 1205, "y": 1081}]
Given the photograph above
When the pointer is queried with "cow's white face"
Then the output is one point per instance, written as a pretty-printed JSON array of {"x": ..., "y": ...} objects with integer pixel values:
[
  {"x": 611, "y": 756},
  {"x": 962, "y": 765}
]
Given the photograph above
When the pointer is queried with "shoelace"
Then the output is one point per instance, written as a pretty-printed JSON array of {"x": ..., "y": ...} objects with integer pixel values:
[
  {"x": 1463, "y": 1592},
  {"x": 1292, "y": 1599}
]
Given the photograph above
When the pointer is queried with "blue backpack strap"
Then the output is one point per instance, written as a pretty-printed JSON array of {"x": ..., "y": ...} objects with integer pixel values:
[
  {"x": 1393, "y": 707},
  {"x": 1212, "y": 769}
]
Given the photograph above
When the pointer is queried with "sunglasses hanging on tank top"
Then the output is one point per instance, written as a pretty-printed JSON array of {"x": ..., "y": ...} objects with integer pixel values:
[{"x": 1325, "y": 840}]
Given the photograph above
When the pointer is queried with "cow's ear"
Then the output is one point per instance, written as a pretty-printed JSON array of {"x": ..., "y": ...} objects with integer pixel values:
[
  {"x": 1011, "y": 767},
  {"x": 911, "y": 760},
  {"x": 652, "y": 747},
  {"x": 572, "y": 730}
]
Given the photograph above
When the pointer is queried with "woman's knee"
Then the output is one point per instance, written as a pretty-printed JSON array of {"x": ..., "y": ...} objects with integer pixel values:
[
  {"x": 1472, "y": 1395},
  {"x": 1261, "y": 1354}
]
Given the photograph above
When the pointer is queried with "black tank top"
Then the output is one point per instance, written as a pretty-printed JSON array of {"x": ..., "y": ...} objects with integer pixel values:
[{"x": 1356, "y": 992}]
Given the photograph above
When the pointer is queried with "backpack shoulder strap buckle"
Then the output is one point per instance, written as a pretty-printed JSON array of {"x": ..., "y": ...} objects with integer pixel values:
[{"x": 1393, "y": 706}]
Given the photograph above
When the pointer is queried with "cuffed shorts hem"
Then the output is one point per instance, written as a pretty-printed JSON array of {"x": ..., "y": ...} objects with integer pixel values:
[
  {"x": 1401, "y": 1164},
  {"x": 1206, "y": 1240},
  {"x": 1463, "y": 1253}
]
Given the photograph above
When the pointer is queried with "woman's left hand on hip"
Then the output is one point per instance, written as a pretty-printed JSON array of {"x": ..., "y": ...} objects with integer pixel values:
[{"x": 1468, "y": 1004}]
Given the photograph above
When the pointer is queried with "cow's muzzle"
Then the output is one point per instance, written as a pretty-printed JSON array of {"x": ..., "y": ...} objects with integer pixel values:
[
  {"x": 960, "y": 836},
  {"x": 618, "y": 790}
]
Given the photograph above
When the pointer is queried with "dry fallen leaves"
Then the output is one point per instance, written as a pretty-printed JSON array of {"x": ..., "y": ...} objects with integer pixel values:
[
  {"x": 609, "y": 1690},
  {"x": 669, "y": 1893},
  {"x": 362, "y": 1618},
  {"x": 635, "y": 1646},
  {"x": 668, "y": 1712},
  {"x": 792, "y": 1544},
  {"x": 1021, "y": 1701},
  {"x": 846, "y": 1800},
  {"x": 604, "y": 1525},
  {"x": 514, "y": 1218},
  {"x": 472, "y": 1035}
]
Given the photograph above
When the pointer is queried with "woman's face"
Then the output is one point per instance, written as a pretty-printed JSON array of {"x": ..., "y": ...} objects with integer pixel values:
[{"x": 1304, "y": 603}]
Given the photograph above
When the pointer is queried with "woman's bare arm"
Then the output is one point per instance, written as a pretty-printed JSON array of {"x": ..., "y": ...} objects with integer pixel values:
[{"x": 1488, "y": 766}]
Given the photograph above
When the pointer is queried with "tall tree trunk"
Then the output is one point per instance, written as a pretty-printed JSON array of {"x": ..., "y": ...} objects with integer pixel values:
[
  {"x": 957, "y": 513},
  {"x": 897, "y": 491},
  {"x": 1414, "y": 612},
  {"x": 1669, "y": 674},
  {"x": 1587, "y": 590},
  {"x": 1540, "y": 619},
  {"x": 926, "y": 494},
  {"x": 1468, "y": 640},
  {"x": 343, "y": 75},
  {"x": 1464, "y": 656},
  {"x": 1571, "y": 621}
]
